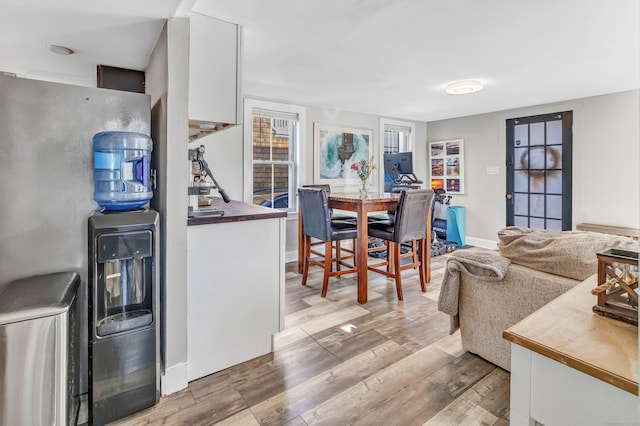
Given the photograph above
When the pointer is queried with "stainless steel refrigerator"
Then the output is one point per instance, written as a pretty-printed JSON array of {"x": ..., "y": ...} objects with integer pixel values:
[{"x": 46, "y": 184}]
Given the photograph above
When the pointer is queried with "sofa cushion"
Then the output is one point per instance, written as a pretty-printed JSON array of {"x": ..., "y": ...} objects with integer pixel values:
[{"x": 569, "y": 254}]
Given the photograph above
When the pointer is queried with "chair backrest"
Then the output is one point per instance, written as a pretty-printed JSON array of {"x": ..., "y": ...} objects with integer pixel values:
[
  {"x": 412, "y": 215},
  {"x": 325, "y": 186},
  {"x": 316, "y": 218}
]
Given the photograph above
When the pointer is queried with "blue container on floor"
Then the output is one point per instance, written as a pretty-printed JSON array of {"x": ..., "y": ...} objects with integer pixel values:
[
  {"x": 456, "y": 225},
  {"x": 121, "y": 169}
]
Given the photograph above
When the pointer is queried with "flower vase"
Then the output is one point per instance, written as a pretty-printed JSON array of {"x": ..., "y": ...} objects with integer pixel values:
[{"x": 364, "y": 188}]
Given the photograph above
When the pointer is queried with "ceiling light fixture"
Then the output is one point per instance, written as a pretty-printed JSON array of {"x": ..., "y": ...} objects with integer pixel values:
[
  {"x": 60, "y": 50},
  {"x": 463, "y": 87}
]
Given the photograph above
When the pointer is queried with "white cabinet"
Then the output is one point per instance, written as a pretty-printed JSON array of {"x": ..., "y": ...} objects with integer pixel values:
[
  {"x": 214, "y": 70},
  {"x": 570, "y": 366},
  {"x": 236, "y": 292},
  {"x": 553, "y": 393}
]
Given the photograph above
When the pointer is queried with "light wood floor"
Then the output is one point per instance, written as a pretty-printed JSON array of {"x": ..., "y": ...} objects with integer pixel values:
[{"x": 340, "y": 363}]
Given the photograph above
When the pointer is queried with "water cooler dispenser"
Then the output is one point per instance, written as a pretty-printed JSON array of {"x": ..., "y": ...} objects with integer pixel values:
[{"x": 124, "y": 351}]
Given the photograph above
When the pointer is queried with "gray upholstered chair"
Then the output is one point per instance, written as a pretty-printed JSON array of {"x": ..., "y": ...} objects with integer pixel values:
[
  {"x": 334, "y": 216},
  {"x": 317, "y": 223},
  {"x": 327, "y": 189},
  {"x": 411, "y": 224},
  {"x": 389, "y": 217}
]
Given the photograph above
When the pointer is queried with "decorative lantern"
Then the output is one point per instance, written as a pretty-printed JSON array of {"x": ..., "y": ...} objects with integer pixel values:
[{"x": 617, "y": 289}]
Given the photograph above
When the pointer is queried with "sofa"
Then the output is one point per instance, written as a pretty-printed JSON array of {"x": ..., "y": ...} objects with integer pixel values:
[{"x": 485, "y": 292}]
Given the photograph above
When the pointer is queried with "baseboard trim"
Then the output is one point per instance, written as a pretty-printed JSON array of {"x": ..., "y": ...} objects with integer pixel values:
[
  {"x": 291, "y": 256},
  {"x": 479, "y": 242},
  {"x": 174, "y": 379}
]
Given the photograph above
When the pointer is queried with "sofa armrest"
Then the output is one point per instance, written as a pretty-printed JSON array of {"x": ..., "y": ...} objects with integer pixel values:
[{"x": 486, "y": 309}]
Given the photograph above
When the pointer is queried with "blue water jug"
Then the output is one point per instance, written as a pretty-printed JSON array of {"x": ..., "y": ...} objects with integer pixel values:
[{"x": 121, "y": 168}]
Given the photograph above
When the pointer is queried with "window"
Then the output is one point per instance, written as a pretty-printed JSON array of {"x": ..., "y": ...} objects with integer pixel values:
[
  {"x": 272, "y": 133},
  {"x": 397, "y": 137}
]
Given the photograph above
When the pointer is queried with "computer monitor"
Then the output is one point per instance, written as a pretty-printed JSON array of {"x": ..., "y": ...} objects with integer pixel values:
[{"x": 398, "y": 163}]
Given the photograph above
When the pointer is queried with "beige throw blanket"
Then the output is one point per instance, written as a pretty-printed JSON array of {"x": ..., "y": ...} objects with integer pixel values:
[
  {"x": 483, "y": 265},
  {"x": 570, "y": 254}
]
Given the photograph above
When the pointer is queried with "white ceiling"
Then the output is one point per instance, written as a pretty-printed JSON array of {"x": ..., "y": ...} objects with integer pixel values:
[{"x": 386, "y": 57}]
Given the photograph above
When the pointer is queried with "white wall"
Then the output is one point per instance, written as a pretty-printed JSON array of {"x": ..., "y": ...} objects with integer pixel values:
[
  {"x": 167, "y": 81},
  {"x": 605, "y": 161}
]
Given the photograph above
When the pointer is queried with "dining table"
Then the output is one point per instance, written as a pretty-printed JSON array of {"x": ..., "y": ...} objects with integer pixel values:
[{"x": 362, "y": 206}]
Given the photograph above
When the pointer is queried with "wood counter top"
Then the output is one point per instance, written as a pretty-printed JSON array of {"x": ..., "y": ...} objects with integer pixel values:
[
  {"x": 235, "y": 211},
  {"x": 566, "y": 330}
]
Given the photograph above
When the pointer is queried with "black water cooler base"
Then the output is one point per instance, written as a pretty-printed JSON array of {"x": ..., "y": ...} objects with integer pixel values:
[{"x": 123, "y": 375}]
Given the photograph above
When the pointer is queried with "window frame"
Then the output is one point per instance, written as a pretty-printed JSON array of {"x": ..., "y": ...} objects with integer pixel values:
[
  {"x": 389, "y": 122},
  {"x": 300, "y": 135}
]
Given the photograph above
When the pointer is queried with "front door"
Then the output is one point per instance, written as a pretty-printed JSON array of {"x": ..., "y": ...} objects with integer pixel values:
[{"x": 539, "y": 171}]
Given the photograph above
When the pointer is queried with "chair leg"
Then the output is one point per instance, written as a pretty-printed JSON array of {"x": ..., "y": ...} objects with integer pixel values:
[
  {"x": 421, "y": 266},
  {"x": 398, "y": 272},
  {"x": 338, "y": 255},
  {"x": 327, "y": 267},
  {"x": 426, "y": 259},
  {"x": 307, "y": 254},
  {"x": 415, "y": 251},
  {"x": 355, "y": 251}
]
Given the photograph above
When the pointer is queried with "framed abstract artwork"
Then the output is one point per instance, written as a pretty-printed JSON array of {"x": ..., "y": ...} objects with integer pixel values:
[
  {"x": 336, "y": 148},
  {"x": 447, "y": 165}
]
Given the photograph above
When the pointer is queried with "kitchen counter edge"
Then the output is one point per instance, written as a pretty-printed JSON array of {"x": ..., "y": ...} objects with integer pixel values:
[{"x": 235, "y": 211}]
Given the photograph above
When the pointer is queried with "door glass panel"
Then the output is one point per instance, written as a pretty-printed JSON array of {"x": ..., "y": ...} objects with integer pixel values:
[
  {"x": 537, "y": 133},
  {"x": 521, "y": 204},
  {"x": 554, "y": 132},
  {"x": 536, "y": 180},
  {"x": 554, "y": 225},
  {"x": 536, "y": 223},
  {"x": 554, "y": 182},
  {"x": 554, "y": 206},
  {"x": 521, "y": 221},
  {"x": 554, "y": 157},
  {"x": 537, "y": 205},
  {"x": 521, "y": 158},
  {"x": 521, "y": 134},
  {"x": 520, "y": 182},
  {"x": 537, "y": 158}
]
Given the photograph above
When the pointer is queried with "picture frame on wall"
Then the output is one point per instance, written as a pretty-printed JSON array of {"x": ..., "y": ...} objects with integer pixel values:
[
  {"x": 336, "y": 149},
  {"x": 446, "y": 163}
]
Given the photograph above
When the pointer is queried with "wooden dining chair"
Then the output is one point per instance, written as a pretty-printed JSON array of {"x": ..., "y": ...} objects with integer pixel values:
[
  {"x": 317, "y": 224},
  {"x": 411, "y": 224},
  {"x": 334, "y": 216},
  {"x": 337, "y": 217}
]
